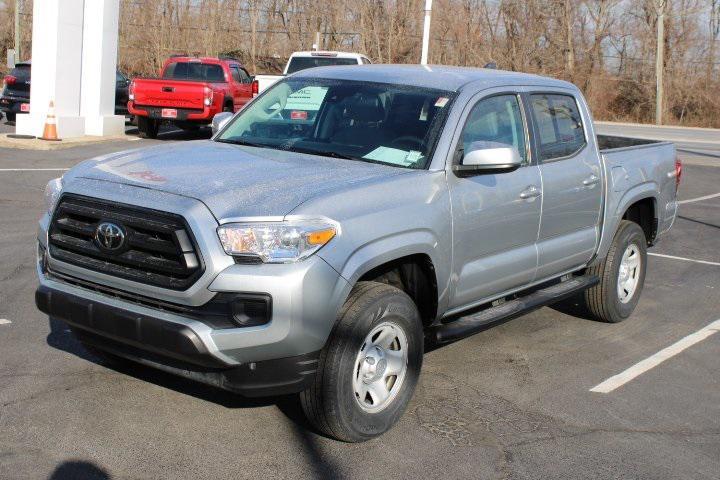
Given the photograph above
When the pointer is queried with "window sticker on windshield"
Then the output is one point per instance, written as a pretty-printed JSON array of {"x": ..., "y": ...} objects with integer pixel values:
[
  {"x": 298, "y": 115},
  {"x": 394, "y": 156},
  {"x": 309, "y": 99},
  {"x": 441, "y": 102}
]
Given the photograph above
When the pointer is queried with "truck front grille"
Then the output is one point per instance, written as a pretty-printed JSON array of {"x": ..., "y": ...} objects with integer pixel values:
[{"x": 139, "y": 244}]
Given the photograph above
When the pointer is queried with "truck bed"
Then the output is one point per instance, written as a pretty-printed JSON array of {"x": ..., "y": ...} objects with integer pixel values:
[{"x": 611, "y": 142}]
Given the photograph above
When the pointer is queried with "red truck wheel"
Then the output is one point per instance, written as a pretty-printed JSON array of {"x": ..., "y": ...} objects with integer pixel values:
[{"x": 148, "y": 127}]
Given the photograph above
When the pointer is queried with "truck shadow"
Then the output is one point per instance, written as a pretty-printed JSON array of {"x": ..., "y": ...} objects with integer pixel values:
[
  {"x": 62, "y": 338},
  {"x": 309, "y": 440},
  {"x": 168, "y": 132},
  {"x": 78, "y": 469}
]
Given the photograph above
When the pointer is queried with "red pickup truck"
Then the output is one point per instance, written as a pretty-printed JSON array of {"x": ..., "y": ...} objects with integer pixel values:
[{"x": 189, "y": 92}]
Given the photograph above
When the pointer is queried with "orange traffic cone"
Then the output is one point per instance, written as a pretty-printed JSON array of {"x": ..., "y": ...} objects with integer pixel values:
[{"x": 50, "y": 130}]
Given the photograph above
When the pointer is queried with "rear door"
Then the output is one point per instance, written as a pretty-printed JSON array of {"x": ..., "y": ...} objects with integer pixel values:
[
  {"x": 571, "y": 179},
  {"x": 495, "y": 216},
  {"x": 241, "y": 86}
]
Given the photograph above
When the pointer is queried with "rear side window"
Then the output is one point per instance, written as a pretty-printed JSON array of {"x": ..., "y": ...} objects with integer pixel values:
[
  {"x": 239, "y": 74},
  {"x": 21, "y": 72},
  {"x": 559, "y": 128},
  {"x": 302, "y": 63},
  {"x": 202, "y": 72}
]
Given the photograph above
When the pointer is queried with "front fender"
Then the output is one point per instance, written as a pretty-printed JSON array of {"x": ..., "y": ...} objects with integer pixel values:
[{"x": 392, "y": 247}]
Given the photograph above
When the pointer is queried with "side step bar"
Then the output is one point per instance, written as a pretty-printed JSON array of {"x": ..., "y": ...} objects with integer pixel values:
[{"x": 471, "y": 324}]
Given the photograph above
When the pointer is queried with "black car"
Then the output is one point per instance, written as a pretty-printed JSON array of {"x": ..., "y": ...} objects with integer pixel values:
[{"x": 16, "y": 94}]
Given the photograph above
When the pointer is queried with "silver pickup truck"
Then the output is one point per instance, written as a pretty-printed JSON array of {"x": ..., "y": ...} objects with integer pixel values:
[{"x": 341, "y": 222}]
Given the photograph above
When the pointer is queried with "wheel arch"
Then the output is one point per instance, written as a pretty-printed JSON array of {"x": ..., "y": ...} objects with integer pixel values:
[
  {"x": 408, "y": 263},
  {"x": 639, "y": 204}
]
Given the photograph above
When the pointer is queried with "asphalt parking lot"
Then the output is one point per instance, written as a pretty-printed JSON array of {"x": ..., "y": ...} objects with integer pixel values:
[{"x": 514, "y": 401}]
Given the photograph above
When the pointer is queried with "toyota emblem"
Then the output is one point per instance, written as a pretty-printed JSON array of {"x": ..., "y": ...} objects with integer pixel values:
[{"x": 109, "y": 236}]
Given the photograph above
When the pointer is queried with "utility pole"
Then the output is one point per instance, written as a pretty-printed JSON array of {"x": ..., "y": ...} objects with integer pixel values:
[
  {"x": 17, "y": 31},
  {"x": 660, "y": 60},
  {"x": 426, "y": 33}
]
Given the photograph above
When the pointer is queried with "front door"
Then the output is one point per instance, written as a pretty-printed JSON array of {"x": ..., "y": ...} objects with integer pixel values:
[
  {"x": 495, "y": 216},
  {"x": 572, "y": 188}
]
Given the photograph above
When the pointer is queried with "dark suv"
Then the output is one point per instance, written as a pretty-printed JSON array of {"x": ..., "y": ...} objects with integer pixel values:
[{"x": 16, "y": 92}]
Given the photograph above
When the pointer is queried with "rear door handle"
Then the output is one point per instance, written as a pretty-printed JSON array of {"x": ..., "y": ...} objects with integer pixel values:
[
  {"x": 530, "y": 192},
  {"x": 591, "y": 180}
]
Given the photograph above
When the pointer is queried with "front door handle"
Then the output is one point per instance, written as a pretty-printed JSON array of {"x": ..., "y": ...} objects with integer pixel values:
[
  {"x": 591, "y": 180},
  {"x": 530, "y": 192}
]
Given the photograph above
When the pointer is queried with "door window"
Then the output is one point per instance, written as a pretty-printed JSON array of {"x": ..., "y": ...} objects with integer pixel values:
[
  {"x": 559, "y": 126},
  {"x": 495, "y": 120},
  {"x": 239, "y": 74}
]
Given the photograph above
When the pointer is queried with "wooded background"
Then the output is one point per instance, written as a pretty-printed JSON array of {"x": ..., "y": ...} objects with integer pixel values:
[{"x": 607, "y": 47}]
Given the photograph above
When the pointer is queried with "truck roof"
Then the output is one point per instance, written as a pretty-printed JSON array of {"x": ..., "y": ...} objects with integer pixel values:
[
  {"x": 327, "y": 53},
  {"x": 432, "y": 76},
  {"x": 188, "y": 58}
]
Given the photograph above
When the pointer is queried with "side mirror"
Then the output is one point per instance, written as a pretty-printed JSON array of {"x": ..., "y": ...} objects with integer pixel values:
[
  {"x": 219, "y": 121},
  {"x": 488, "y": 157}
]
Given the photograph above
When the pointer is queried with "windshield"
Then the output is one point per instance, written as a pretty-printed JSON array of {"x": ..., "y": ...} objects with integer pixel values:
[
  {"x": 373, "y": 122},
  {"x": 301, "y": 63},
  {"x": 203, "y": 72}
]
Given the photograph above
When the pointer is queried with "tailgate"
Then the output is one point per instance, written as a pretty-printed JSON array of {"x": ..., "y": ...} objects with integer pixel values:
[{"x": 169, "y": 93}]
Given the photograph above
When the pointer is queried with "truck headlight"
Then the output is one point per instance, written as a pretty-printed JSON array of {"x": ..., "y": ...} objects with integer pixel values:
[
  {"x": 52, "y": 193},
  {"x": 280, "y": 242}
]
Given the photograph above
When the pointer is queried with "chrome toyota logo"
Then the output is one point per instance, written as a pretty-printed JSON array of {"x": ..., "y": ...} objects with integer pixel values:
[{"x": 109, "y": 236}]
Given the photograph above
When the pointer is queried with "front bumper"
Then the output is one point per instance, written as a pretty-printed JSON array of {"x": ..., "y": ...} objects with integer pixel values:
[{"x": 176, "y": 348}]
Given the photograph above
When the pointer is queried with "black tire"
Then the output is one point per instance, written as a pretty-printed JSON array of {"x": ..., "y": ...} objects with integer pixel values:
[
  {"x": 10, "y": 116},
  {"x": 330, "y": 403},
  {"x": 603, "y": 300},
  {"x": 228, "y": 107},
  {"x": 148, "y": 127}
]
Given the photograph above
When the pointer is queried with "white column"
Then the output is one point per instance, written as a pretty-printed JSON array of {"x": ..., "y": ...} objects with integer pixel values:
[
  {"x": 99, "y": 63},
  {"x": 426, "y": 33},
  {"x": 56, "y": 65}
]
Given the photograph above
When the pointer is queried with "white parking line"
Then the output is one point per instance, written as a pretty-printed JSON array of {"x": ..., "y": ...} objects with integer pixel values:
[
  {"x": 33, "y": 169},
  {"x": 4, "y": 321},
  {"x": 704, "y": 262},
  {"x": 641, "y": 367},
  {"x": 699, "y": 199}
]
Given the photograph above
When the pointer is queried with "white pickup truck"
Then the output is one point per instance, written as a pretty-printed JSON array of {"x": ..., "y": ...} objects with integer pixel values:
[{"x": 302, "y": 60}]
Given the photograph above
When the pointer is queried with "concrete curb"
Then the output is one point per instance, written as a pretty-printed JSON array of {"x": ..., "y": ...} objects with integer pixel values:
[{"x": 36, "y": 144}]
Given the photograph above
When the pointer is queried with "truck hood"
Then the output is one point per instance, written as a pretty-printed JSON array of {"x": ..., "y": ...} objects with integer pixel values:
[{"x": 232, "y": 180}]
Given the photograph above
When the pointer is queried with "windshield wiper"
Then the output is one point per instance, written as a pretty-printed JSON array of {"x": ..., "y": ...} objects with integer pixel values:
[
  {"x": 324, "y": 153},
  {"x": 243, "y": 143}
]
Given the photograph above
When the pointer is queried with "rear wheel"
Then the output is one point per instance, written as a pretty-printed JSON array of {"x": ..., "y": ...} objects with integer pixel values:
[
  {"x": 148, "y": 127},
  {"x": 369, "y": 367},
  {"x": 10, "y": 116},
  {"x": 622, "y": 275}
]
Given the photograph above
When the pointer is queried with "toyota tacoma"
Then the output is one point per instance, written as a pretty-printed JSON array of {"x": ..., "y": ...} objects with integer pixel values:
[{"x": 343, "y": 220}]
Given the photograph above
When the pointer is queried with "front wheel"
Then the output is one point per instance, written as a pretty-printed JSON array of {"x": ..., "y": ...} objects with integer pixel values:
[
  {"x": 369, "y": 367},
  {"x": 622, "y": 275}
]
